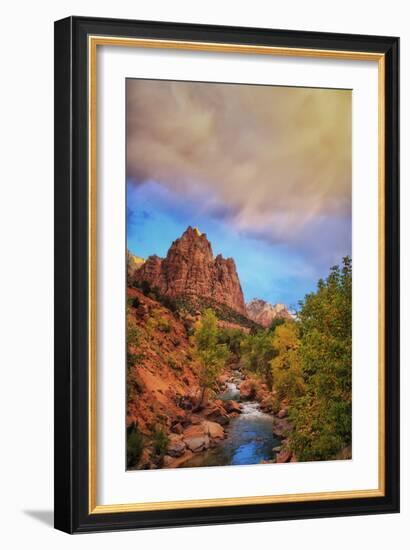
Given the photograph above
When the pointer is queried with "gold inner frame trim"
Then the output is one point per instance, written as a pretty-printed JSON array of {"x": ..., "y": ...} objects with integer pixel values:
[{"x": 93, "y": 42}]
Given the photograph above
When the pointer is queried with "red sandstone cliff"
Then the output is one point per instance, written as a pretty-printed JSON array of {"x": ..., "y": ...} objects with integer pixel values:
[{"x": 191, "y": 269}]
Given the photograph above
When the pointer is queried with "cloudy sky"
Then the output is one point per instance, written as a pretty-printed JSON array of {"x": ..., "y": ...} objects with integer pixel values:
[{"x": 264, "y": 171}]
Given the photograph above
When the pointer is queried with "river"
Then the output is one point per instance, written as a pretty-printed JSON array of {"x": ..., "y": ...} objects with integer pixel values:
[{"x": 249, "y": 436}]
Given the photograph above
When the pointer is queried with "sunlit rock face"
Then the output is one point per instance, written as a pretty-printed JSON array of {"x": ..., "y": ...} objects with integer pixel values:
[
  {"x": 133, "y": 263},
  {"x": 264, "y": 313},
  {"x": 190, "y": 269}
]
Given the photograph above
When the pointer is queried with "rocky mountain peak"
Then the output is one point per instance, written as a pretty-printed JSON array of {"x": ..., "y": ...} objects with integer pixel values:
[
  {"x": 191, "y": 269},
  {"x": 192, "y": 241},
  {"x": 192, "y": 232},
  {"x": 133, "y": 263},
  {"x": 264, "y": 313}
]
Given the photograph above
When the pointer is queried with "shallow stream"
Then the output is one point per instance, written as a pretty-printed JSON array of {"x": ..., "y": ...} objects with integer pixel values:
[{"x": 249, "y": 436}]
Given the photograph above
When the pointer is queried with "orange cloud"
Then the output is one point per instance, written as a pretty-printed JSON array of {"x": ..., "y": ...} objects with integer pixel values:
[{"x": 278, "y": 157}]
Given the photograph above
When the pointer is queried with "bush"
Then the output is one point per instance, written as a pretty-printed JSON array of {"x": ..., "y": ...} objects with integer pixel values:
[
  {"x": 164, "y": 325},
  {"x": 173, "y": 364},
  {"x": 169, "y": 303},
  {"x": 274, "y": 404},
  {"x": 145, "y": 287},
  {"x": 133, "y": 332},
  {"x": 131, "y": 359},
  {"x": 135, "y": 446},
  {"x": 135, "y": 384},
  {"x": 160, "y": 442}
]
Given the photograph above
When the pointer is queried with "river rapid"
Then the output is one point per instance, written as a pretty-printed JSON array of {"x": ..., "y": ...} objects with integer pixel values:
[{"x": 249, "y": 440}]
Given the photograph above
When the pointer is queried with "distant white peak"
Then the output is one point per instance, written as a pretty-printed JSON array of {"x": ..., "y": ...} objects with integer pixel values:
[{"x": 263, "y": 305}]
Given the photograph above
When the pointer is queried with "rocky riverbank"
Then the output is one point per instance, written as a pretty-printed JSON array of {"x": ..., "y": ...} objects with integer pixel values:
[
  {"x": 202, "y": 431},
  {"x": 253, "y": 389},
  {"x": 164, "y": 394},
  {"x": 237, "y": 428}
]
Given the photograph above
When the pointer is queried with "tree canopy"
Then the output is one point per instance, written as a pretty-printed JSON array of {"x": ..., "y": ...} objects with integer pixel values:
[
  {"x": 322, "y": 415},
  {"x": 285, "y": 366},
  {"x": 211, "y": 354}
]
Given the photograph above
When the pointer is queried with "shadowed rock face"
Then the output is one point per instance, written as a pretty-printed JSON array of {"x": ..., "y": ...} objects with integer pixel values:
[
  {"x": 264, "y": 313},
  {"x": 191, "y": 269}
]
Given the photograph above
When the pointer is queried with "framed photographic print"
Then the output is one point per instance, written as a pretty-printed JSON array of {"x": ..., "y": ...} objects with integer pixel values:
[{"x": 226, "y": 274}]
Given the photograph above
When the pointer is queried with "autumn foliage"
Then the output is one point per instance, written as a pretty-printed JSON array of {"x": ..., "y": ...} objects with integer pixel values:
[{"x": 322, "y": 415}]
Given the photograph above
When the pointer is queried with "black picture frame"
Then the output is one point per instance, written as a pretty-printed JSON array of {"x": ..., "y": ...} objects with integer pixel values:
[{"x": 71, "y": 493}]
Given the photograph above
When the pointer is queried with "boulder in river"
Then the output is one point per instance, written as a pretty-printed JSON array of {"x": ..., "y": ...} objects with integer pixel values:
[
  {"x": 217, "y": 413},
  {"x": 232, "y": 406},
  {"x": 176, "y": 445},
  {"x": 198, "y": 444},
  {"x": 223, "y": 379},
  {"x": 284, "y": 456},
  {"x": 247, "y": 389},
  {"x": 213, "y": 429},
  {"x": 196, "y": 438}
]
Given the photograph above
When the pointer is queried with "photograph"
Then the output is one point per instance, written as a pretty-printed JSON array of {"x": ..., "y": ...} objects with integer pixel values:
[
  {"x": 208, "y": 353},
  {"x": 239, "y": 274},
  {"x": 227, "y": 290}
]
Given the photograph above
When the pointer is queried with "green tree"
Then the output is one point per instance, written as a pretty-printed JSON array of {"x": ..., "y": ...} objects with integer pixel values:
[
  {"x": 322, "y": 416},
  {"x": 160, "y": 443},
  {"x": 277, "y": 322},
  {"x": 135, "y": 446},
  {"x": 285, "y": 366},
  {"x": 232, "y": 338},
  {"x": 208, "y": 351},
  {"x": 257, "y": 352}
]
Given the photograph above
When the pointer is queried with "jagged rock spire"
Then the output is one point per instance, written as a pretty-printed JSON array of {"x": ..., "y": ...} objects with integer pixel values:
[{"x": 190, "y": 269}]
